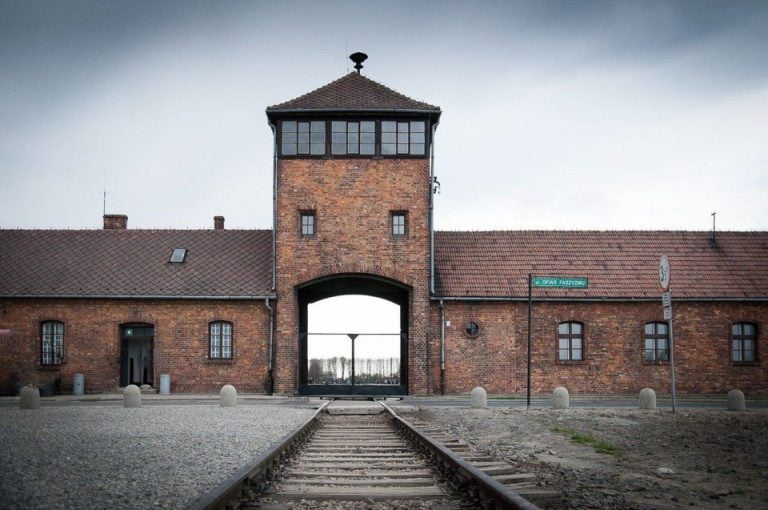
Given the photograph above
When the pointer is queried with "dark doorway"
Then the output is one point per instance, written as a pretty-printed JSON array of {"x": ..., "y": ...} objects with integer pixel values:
[
  {"x": 136, "y": 351},
  {"x": 353, "y": 359}
]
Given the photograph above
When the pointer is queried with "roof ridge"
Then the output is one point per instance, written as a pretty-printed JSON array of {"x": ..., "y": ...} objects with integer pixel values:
[{"x": 353, "y": 91}]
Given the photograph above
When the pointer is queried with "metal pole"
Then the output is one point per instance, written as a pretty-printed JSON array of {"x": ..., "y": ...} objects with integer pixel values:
[
  {"x": 528, "y": 396},
  {"x": 672, "y": 359},
  {"x": 353, "y": 362},
  {"x": 442, "y": 347}
]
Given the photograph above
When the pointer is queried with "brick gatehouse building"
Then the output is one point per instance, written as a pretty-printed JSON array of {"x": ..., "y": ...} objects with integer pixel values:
[{"x": 353, "y": 213}]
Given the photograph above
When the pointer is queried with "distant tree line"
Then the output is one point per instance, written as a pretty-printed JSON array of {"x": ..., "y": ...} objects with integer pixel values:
[{"x": 338, "y": 370}]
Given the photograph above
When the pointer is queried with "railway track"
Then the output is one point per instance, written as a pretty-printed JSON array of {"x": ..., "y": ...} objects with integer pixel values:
[{"x": 372, "y": 461}]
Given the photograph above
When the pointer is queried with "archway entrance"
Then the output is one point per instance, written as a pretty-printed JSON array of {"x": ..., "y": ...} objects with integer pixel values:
[{"x": 353, "y": 337}]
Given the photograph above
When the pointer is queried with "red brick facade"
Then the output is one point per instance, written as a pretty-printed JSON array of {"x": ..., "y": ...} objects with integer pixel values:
[
  {"x": 92, "y": 342},
  {"x": 613, "y": 338},
  {"x": 352, "y": 200}
]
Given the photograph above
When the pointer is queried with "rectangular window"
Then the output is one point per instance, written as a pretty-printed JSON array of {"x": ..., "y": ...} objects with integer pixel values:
[
  {"x": 403, "y": 138},
  {"x": 178, "y": 255},
  {"x": 221, "y": 340},
  {"x": 656, "y": 342},
  {"x": 743, "y": 343},
  {"x": 51, "y": 343},
  {"x": 570, "y": 341},
  {"x": 353, "y": 138},
  {"x": 302, "y": 137},
  {"x": 308, "y": 223},
  {"x": 399, "y": 223}
]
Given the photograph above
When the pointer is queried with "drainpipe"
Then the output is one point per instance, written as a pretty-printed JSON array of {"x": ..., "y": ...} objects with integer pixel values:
[
  {"x": 270, "y": 379},
  {"x": 274, "y": 204},
  {"x": 442, "y": 347},
  {"x": 431, "y": 211}
]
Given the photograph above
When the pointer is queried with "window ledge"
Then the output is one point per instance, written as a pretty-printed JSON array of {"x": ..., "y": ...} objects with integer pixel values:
[
  {"x": 224, "y": 361},
  {"x": 656, "y": 362},
  {"x": 49, "y": 367},
  {"x": 571, "y": 362},
  {"x": 745, "y": 363}
]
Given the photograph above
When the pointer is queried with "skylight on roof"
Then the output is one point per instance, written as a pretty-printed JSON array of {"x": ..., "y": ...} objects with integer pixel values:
[{"x": 178, "y": 255}]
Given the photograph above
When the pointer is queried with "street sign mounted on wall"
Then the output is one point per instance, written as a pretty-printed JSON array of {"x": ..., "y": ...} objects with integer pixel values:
[{"x": 560, "y": 282}]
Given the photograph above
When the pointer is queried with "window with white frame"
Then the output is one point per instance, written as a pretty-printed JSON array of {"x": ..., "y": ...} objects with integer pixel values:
[
  {"x": 51, "y": 342},
  {"x": 220, "y": 340},
  {"x": 399, "y": 223}
]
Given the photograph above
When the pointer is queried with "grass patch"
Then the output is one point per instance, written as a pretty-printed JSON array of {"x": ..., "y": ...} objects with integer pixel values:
[{"x": 599, "y": 445}]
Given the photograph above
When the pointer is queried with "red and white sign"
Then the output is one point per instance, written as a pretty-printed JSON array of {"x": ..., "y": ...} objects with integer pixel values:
[{"x": 664, "y": 273}]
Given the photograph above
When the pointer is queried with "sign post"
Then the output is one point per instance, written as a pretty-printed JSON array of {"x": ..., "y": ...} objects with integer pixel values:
[
  {"x": 528, "y": 394},
  {"x": 552, "y": 282},
  {"x": 666, "y": 301}
]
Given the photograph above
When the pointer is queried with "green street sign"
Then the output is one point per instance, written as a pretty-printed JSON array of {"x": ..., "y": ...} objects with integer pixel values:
[{"x": 562, "y": 282}]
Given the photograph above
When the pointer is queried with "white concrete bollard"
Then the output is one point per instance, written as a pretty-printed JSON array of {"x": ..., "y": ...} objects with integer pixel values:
[
  {"x": 78, "y": 385},
  {"x": 479, "y": 398},
  {"x": 560, "y": 398},
  {"x": 131, "y": 396},
  {"x": 228, "y": 396},
  {"x": 165, "y": 384},
  {"x": 30, "y": 398},
  {"x": 736, "y": 401},
  {"x": 647, "y": 399}
]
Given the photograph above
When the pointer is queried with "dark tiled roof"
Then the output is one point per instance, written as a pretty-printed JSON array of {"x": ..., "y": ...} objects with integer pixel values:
[
  {"x": 618, "y": 263},
  {"x": 353, "y": 92},
  {"x": 135, "y": 263}
]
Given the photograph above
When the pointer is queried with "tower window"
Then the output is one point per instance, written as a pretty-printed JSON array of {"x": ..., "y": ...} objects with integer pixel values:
[
  {"x": 399, "y": 223},
  {"x": 303, "y": 137},
  {"x": 352, "y": 137},
  {"x": 403, "y": 138},
  {"x": 308, "y": 223}
]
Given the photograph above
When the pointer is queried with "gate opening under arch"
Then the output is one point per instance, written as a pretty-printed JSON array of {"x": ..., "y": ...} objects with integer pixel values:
[{"x": 353, "y": 337}]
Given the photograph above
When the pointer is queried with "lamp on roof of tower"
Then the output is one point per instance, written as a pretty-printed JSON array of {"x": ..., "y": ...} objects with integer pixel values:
[{"x": 358, "y": 58}]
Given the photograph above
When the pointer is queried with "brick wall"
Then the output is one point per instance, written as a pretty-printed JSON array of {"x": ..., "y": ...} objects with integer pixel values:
[
  {"x": 92, "y": 345},
  {"x": 352, "y": 199},
  {"x": 496, "y": 359}
]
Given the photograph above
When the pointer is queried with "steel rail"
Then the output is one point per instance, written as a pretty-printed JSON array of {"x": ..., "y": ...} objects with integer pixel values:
[
  {"x": 490, "y": 492},
  {"x": 258, "y": 470}
]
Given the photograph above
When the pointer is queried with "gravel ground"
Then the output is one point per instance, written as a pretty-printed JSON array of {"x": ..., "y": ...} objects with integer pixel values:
[
  {"x": 117, "y": 458},
  {"x": 718, "y": 459}
]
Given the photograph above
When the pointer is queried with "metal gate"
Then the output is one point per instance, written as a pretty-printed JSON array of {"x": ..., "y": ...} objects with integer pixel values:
[{"x": 353, "y": 364}]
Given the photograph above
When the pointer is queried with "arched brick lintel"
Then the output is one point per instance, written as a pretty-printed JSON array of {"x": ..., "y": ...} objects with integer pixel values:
[{"x": 361, "y": 270}]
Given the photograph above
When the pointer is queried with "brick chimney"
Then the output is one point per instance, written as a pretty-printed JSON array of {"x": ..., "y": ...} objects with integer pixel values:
[
  {"x": 115, "y": 222},
  {"x": 218, "y": 222}
]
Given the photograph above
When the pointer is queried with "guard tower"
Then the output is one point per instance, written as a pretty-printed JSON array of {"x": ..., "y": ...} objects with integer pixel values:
[{"x": 353, "y": 196}]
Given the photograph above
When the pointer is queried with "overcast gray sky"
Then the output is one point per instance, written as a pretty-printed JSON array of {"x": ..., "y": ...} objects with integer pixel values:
[{"x": 557, "y": 115}]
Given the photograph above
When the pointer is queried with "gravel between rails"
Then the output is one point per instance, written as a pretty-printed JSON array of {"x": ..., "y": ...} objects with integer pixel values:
[{"x": 117, "y": 458}]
